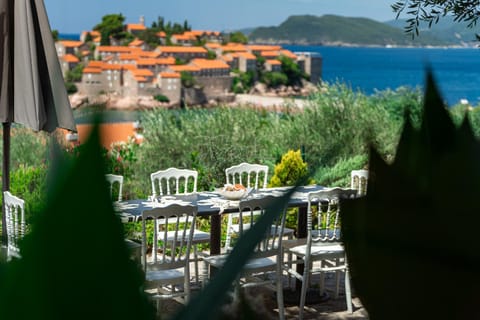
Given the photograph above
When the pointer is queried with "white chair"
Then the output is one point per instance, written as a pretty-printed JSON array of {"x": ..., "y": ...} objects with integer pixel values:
[
  {"x": 15, "y": 220},
  {"x": 112, "y": 179},
  {"x": 323, "y": 244},
  {"x": 167, "y": 270},
  {"x": 265, "y": 265},
  {"x": 359, "y": 181},
  {"x": 173, "y": 181},
  {"x": 250, "y": 176}
]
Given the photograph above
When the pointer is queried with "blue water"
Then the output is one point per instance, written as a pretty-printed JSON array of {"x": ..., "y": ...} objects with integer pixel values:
[{"x": 457, "y": 71}]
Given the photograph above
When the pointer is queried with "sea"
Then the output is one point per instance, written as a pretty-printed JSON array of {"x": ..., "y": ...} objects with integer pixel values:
[{"x": 371, "y": 69}]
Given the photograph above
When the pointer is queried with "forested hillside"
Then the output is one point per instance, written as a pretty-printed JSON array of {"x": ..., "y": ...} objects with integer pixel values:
[{"x": 337, "y": 30}]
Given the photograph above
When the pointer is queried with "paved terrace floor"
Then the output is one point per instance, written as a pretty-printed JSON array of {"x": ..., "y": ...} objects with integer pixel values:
[{"x": 264, "y": 302}]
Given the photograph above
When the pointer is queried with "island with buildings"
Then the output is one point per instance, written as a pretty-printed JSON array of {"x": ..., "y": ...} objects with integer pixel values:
[{"x": 194, "y": 67}]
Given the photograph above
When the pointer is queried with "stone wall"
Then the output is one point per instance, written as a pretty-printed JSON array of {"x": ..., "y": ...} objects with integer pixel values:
[
  {"x": 215, "y": 88},
  {"x": 194, "y": 96}
]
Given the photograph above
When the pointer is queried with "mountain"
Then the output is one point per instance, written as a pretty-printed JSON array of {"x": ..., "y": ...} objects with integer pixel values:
[{"x": 338, "y": 30}]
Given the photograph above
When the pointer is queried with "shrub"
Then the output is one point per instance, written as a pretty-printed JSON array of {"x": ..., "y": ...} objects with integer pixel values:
[
  {"x": 274, "y": 79},
  {"x": 339, "y": 174},
  {"x": 290, "y": 170},
  {"x": 187, "y": 79},
  {"x": 71, "y": 87},
  {"x": 161, "y": 98}
]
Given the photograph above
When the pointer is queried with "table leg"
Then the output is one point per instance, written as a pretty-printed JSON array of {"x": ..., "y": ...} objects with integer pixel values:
[{"x": 215, "y": 233}]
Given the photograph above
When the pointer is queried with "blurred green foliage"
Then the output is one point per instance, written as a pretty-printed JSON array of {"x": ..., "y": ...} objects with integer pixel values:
[
  {"x": 418, "y": 224},
  {"x": 67, "y": 271}
]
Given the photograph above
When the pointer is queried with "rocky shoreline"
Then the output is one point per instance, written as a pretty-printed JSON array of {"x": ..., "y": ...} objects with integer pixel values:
[{"x": 259, "y": 95}]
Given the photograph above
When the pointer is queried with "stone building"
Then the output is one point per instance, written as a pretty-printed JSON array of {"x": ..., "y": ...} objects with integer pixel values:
[{"x": 311, "y": 64}]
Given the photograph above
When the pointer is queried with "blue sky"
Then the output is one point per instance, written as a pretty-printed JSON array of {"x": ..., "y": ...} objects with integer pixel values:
[{"x": 69, "y": 16}]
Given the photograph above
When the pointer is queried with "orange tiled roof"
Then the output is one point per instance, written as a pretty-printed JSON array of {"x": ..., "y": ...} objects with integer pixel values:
[
  {"x": 247, "y": 55},
  {"x": 146, "y": 62},
  {"x": 117, "y": 49},
  {"x": 273, "y": 62},
  {"x": 259, "y": 47},
  {"x": 289, "y": 54},
  {"x": 205, "y": 32},
  {"x": 136, "y": 27},
  {"x": 85, "y": 52},
  {"x": 149, "y": 54},
  {"x": 97, "y": 39},
  {"x": 227, "y": 57},
  {"x": 111, "y": 66},
  {"x": 136, "y": 43},
  {"x": 95, "y": 63},
  {"x": 234, "y": 47},
  {"x": 129, "y": 56},
  {"x": 70, "y": 58},
  {"x": 127, "y": 66},
  {"x": 210, "y": 64},
  {"x": 92, "y": 70},
  {"x": 71, "y": 43},
  {"x": 181, "y": 49},
  {"x": 169, "y": 74},
  {"x": 185, "y": 37},
  {"x": 161, "y": 34},
  {"x": 196, "y": 33},
  {"x": 141, "y": 72},
  {"x": 93, "y": 33},
  {"x": 269, "y": 53},
  {"x": 213, "y": 45},
  {"x": 185, "y": 67},
  {"x": 167, "y": 61}
]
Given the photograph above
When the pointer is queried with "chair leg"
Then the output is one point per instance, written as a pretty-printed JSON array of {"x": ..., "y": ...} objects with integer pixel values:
[
  {"x": 348, "y": 291},
  {"x": 337, "y": 279},
  {"x": 280, "y": 303},
  {"x": 195, "y": 256},
  {"x": 322, "y": 279},
  {"x": 228, "y": 235},
  {"x": 337, "y": 284},
  {"x": 159, "y": 303},
  {"x": 305, "y": 284},
  {"x": 205, "y": 275},
  {"x": 187, "y": 290}
]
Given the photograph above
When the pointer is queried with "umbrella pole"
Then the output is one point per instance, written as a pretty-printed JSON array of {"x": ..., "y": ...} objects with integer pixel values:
[{"x": 5, "y": 175}]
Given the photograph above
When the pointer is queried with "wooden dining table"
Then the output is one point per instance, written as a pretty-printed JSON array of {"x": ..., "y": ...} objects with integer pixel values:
[{"x": 212, "y": 204}]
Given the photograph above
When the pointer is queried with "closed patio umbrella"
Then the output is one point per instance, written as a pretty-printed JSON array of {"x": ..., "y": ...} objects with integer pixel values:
[{"x": 32, "y": 89}]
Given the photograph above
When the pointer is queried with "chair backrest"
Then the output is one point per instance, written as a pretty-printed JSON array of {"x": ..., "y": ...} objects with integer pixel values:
[
  {"x": 170, "y": 245},
  {"x": 359, "y": 181},
  {"x": 15, "y": 220},
  {"x": 174, "y": 181},
  {"x": 112, "y": 179},
  {"x": 247, "y": 174},
  {"x": 327, "y": 227},
  {"x": 250, "y": 211}
]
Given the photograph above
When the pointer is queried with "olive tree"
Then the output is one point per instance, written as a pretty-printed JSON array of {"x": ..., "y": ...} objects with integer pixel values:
[{"x": 430, "y": 11}]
